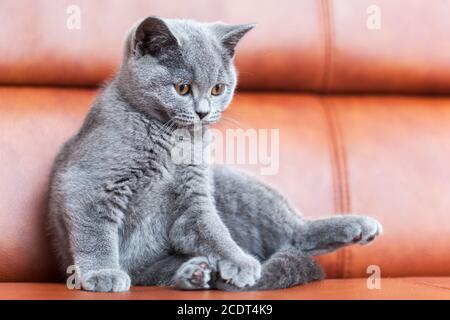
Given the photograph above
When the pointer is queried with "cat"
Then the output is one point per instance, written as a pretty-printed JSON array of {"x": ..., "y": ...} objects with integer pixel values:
[{"x": 124, "y": 213}]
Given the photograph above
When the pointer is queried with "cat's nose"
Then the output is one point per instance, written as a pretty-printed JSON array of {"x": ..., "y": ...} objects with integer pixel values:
[
  {"x": 202, "y": 109},
  {"x": 202, "y": 114}
]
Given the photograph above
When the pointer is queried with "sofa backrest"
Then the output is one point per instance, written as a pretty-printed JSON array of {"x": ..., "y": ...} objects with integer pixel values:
[{"x": 311, "y": 45}]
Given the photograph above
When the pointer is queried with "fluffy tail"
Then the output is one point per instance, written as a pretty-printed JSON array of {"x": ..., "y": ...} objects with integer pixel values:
[{"x": 285, "y": 268}]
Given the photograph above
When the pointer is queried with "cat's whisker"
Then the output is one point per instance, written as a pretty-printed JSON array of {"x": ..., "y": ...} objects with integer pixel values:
[
  {"x": 171, "y": 128},
  {"x": 235, "y": 124},
  {"x": 165, "y": 126},
  {"x": 231, "y": 119}
]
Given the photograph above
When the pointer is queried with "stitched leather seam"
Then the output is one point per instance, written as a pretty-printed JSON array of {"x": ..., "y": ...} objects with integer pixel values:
[
  {"x": 328, "y": 40},
  {"x": 324, "y": 25},
  {"x": 341, "y": 194},
  {"x": 345, "y": 190},
  {"x": 335, "y": 173}
]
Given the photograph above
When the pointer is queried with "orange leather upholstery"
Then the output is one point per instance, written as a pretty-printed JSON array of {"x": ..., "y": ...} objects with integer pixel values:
[
  {"x": 384, "y": 155},
  {"x": 422, "y": 288},
  {"x": 312, "y": 45}
]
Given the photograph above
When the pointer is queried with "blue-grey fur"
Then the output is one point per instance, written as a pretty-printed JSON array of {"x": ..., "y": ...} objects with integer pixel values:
[{"x": 124, "y": 213}]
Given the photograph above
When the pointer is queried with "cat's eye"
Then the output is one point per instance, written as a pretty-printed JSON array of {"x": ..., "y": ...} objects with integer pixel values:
[
  {"x": 218, "y": 89},
  {"x": 183, "y": 89}
]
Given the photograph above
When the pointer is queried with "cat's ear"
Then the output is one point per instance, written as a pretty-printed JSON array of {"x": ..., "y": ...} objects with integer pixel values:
[
  {"x": 152, "y": 36},
  {"x": 229, "y": 35}
]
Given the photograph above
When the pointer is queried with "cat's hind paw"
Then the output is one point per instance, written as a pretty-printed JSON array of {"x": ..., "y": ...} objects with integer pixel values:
[
  {"x": 195, "y": 274},
  {"x": 362, "y": 229}
]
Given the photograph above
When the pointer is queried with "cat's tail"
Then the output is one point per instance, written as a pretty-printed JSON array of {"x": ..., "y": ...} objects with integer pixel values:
[{"x": 285, "y": 268}]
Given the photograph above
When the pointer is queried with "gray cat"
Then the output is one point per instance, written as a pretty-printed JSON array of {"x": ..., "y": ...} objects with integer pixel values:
[{"x": 123, "y": 212}]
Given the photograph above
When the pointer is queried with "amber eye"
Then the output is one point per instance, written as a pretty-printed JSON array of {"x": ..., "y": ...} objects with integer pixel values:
[
  {"x": 183, "y": 89},
  {"x": 218, "y": 89}
]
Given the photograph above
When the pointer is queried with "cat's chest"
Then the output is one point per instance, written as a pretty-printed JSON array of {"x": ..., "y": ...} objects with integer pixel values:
[
  {"x": 154, "y": 205},
  {"x": 152, "y": 211},
  {"x": 144, "y": 240},
  {"x": 144, "y": 232},
  {"x": 161, "y": 195}
]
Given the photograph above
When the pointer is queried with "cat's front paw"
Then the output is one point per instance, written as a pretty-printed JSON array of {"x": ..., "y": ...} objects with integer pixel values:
[
  {"x": 106, "y": 280},
  {"x": 362, "y": 229},
  {"x": 242, "y": 271}
]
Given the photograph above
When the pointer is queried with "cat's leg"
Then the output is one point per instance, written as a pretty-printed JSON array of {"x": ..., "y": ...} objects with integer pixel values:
[
  {"x": 198, "y": 273},
  {"x": 328, "y": 234},
  {"x": 94, "y": 249},
  {"x": 180, "y": 271},
  {"x": 261, "y": 220},
  {"x": 159, "y": 273},
  {"x": 285, "y": 268},
  {"x": 205, "y": 234},
  {"x": 199, "y": 231}
]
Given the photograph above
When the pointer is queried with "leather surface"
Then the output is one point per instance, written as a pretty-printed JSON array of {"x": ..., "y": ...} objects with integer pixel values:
[
  {"x": 384, "y": 156},
  {"x": 313, "y": 45},
  {"x": 343, "y": 289},
  {"x": 50, "y": 53},
  {"x": 33, "y": 125},
  {"x": 408, "y": 54},
  {"x": 392, "y": 156}
]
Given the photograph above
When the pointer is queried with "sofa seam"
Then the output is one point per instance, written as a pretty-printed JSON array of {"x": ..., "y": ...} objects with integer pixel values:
[
  {"x": 334, "y": 172},
  {"x": 328, "y": 40},
  {"x": 340, "y": 185}
]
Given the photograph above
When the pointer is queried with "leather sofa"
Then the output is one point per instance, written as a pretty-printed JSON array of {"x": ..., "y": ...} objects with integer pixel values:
[{"x": 363, "y": 114}]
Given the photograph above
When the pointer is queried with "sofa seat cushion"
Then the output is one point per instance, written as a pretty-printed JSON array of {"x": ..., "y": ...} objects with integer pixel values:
[{"x": 342, "y": 289}]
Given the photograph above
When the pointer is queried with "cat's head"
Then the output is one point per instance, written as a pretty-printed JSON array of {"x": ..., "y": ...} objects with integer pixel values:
[{"x": 181, "y": 70}]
